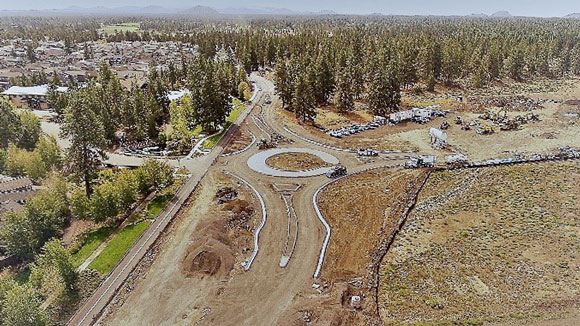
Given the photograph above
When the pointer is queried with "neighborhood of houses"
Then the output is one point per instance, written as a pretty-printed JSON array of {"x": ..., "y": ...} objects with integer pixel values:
[{"x": 131, "y": 60}]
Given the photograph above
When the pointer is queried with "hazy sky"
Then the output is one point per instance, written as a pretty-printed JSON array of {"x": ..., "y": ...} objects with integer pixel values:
[{"x": 544, "y": 8}]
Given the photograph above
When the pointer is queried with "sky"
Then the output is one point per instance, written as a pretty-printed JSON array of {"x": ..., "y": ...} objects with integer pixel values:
[{"x": 539, "y": 8}]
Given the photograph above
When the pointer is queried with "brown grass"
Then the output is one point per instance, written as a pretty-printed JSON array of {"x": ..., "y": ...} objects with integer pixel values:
[{"x": 485, "y": 246}]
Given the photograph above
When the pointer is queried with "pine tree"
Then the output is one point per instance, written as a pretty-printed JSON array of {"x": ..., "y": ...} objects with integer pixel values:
[
  {"x": 515, "y": 64},
  {"x": 343, "y": 94},
  {"x": 303, "y": 100},
  {"x": 323, "y": 80},
  {"x": 85, "y": 131},
  {"x": 384, "y": 96},
  {"x": 283, "y": 81}
]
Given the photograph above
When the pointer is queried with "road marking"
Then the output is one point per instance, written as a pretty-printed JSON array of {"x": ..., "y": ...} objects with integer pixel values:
[{"x": 250, "y": 260}]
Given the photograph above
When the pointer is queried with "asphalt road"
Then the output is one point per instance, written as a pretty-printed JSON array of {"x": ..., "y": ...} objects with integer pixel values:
[{"x": 91, "y": 308}]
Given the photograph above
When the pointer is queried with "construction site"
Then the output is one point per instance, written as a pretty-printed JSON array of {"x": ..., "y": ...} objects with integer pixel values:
[{"x": 459, "y": 213}]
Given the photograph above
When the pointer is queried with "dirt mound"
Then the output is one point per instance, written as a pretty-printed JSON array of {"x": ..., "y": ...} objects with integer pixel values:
[
  {"x": 210, "y": 255},
  {"x": 295, "y": 162}
]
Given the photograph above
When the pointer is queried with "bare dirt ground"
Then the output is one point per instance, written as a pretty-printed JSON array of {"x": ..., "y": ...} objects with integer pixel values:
[
  {"x": 486, "y": 246},
  {"x": 240, "y": 141},
  {"x": 76, "y": 229},
  {"x": 296, "y": 162},
  {"x": 361, "y": 209}
]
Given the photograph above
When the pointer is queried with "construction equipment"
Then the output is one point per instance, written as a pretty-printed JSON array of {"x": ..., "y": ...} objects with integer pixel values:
[
  {"x": 265, "y": 144},
  {"x": 485, "y": 130},
  {"x": 511, "y": 124},
  {"x": 456, "y": 160},
  {"x": 336, "y": 172},
  {"x": 367, "y": 152},
  {"x": 424, "y": 161}
]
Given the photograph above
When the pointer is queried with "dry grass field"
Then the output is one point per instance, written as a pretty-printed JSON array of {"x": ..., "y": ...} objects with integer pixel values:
[{"x": 486, "y": 246}]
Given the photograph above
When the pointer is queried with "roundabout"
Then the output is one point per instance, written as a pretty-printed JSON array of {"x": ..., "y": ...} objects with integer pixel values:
[{"x": 258, "y": 162}]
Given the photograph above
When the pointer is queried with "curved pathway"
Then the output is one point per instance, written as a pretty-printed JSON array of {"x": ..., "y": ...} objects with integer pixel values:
[
  {"x": 257, "y": 162},
  {"x": 248, "y": 263}
]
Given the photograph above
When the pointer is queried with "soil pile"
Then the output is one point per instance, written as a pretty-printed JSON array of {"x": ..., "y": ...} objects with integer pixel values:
[
  {"x": 211, "y": 253},
  {"x": 296, "y": 162}
]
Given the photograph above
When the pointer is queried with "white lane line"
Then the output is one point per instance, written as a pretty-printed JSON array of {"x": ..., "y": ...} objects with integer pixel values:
[
  {"x": 286, "y": 256},
  {"x": 326, "y": 226},
  {"x": 261, "y": 129},
  {"x": 248, "y": 264}
]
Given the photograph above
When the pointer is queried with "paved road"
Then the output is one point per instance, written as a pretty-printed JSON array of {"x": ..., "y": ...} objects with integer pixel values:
[{"x": 91, "y": 309}]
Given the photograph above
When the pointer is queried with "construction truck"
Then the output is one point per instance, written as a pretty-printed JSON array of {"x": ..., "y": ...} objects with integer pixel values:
[
  {"x": 367, "y": 152},
  {"x": 336, "y": 172},
  {"x": 423, "y": 161}
]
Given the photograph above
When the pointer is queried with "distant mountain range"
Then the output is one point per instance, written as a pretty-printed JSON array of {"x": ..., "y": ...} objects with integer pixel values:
[
  {"x": 499, "y": 14},
  {"x": 203, "y": 11},
  {"x": 159, "y": 10}
]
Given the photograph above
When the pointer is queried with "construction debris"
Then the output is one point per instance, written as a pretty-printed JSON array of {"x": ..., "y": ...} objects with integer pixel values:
[
  {"x": 485, "y": 130},
  {"x": 501, "y": 119},
  {"x": 456, "y": 159},
  {"x": 225, "y": 195},
  {"x": 510, "y": 103},
  {"x": 265, "y": 144}
]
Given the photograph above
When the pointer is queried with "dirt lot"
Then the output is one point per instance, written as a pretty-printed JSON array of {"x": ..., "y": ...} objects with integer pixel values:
[
  {"x": 180, "y": 280},
  {"x": 486, "y": 246},
  {"x": 296, "y": 162},
  {"x": 363, "y": 211},
  {"x": 556, "y": 128}
]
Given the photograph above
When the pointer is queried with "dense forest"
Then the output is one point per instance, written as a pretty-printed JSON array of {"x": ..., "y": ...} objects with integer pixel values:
[{"x": 343, "y": 59}]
